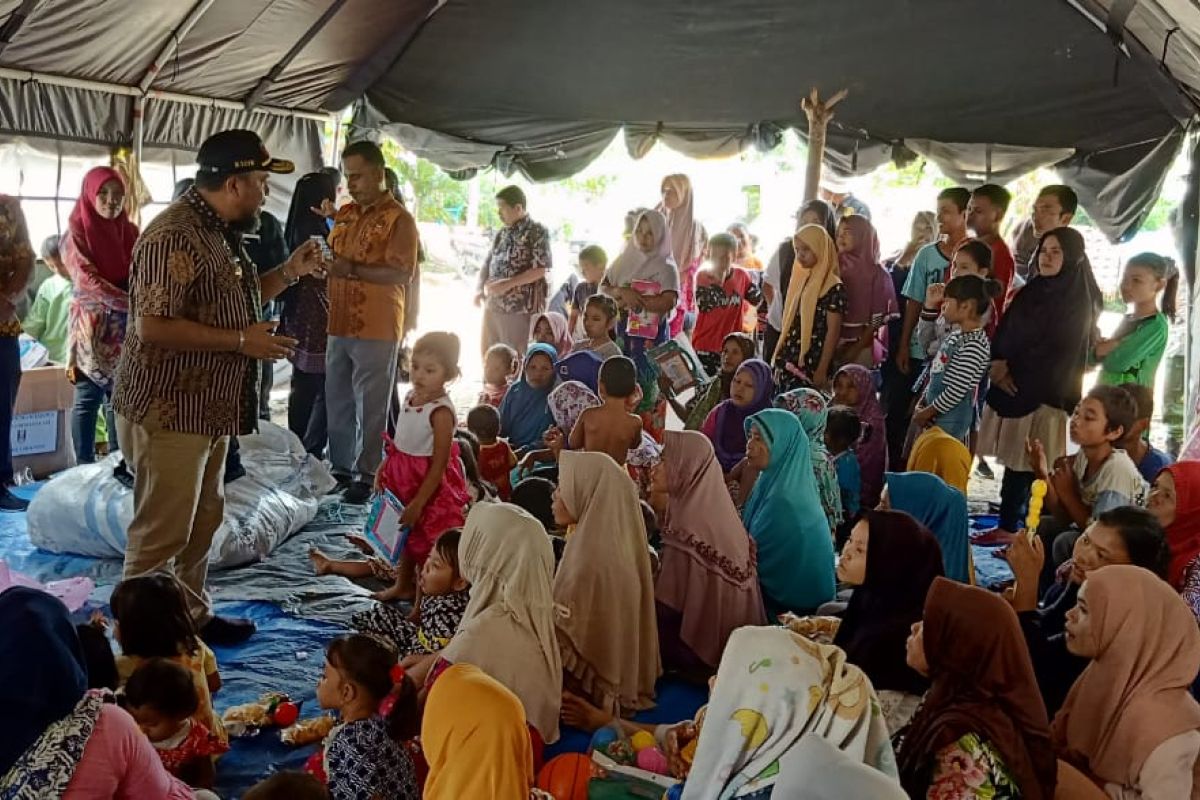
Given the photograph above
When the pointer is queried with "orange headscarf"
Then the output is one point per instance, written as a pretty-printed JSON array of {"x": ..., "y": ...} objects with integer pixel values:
[
  {"x": 475, "y": 739},
  {"x": 939, "y": 453},
  {"x": 809, "y": 285}
]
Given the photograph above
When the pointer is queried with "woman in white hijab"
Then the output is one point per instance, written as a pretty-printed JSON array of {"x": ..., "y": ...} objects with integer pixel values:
[
  {"x": 644, "y": 280},
  {"x": 508, "y": 628},
  {"x": 688, "y": 239}
]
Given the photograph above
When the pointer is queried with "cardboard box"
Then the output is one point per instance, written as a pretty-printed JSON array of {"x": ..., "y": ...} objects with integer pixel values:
[{"x": 41, "y": 430}]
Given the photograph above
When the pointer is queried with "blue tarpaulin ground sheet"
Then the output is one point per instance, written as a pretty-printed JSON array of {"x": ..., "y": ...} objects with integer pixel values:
[{"x": 297, "y": 614}]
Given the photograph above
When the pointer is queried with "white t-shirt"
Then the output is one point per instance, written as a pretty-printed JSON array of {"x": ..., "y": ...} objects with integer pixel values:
[{"x": 772, "y": 278}]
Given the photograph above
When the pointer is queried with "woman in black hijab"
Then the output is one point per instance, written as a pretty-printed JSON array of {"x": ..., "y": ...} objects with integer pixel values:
[
  {"x": 304, "y": 315},
  {"x": 1039, "y": 355},
  {"x": 902, "y": 559}
]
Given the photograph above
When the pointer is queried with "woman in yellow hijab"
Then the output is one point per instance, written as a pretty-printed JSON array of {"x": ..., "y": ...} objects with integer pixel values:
[
  {"x": 812, "y": 314},
  {"x": 939, "y": 453},
  {"x": 475, "y": 739}
]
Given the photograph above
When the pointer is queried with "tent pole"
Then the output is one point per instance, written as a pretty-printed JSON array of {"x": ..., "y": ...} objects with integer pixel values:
[
  {"x": 1189, "y": 241},
  {"x": 15, "y": 20},
  {"x": 139, "y": 126},
  {"x": 260, "y": 89},
  {"x": 819, "y": 113},
  {"x": 171, "y": 45},
  {"x": 28, "y": 76}
]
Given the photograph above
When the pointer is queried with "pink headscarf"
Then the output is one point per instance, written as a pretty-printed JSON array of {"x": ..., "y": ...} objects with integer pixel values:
[
  {"x": 558, "y": 327},
  {"x": 687, "y": 235},
  {"x": 872, "y": 446},
  {"x": 105, "y": 243},
  {"x": 708, "y": 565},
  {"x": 869, "y": 288}
]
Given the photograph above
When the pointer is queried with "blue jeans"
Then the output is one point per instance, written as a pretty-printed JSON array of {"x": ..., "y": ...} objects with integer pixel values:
[
  {"x": 89, "y": 397},
  {"x": 10, "y": 381}
]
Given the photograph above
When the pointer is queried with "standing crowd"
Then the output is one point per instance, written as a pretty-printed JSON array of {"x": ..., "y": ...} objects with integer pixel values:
[{"x": 798, "y": 537}]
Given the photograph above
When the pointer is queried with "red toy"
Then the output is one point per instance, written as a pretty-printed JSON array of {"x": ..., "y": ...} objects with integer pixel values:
[
  {"x": 285, "y": 713},
  {"x": 566, "y": 776}
]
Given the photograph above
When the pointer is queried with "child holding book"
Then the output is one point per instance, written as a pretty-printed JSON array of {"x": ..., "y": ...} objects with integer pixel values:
[{"x": 422, "y": 467}]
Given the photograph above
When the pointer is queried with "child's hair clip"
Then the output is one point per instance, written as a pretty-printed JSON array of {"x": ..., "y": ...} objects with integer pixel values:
[{"x": 397, "y": 674}]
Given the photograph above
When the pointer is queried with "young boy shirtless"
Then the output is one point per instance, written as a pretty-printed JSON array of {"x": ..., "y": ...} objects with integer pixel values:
[{"x": 611, "y": 428}]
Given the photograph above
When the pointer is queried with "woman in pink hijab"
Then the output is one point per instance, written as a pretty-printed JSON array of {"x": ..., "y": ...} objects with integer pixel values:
[
  {"x": 688, "y": 238},
  {"x": 708, "y": 586},
  {"x": 551, "y": 328},
  {"x": 870, "y": 296},
  {"x": 97, "y": 250}
]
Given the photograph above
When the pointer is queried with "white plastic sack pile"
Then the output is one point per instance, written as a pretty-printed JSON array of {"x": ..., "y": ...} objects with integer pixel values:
[{"x": 85, "y": 511}]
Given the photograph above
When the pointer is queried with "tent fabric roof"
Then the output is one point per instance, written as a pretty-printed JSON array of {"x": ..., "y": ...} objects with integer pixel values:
[
  {"x": 224, "y": 55},
  {"x": 942, "y": 77},
  {"x": 1101, "y": 87}
]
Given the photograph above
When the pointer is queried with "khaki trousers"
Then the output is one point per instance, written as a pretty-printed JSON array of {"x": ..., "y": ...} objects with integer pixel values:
[
  {"x": 509, "y": 329},
  {"x": 178, "y": 504}
]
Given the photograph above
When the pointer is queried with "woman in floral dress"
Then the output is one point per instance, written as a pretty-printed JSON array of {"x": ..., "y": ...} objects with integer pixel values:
[
  {"x": 98, "y": 251},
  {"x": 982, "y": 731},
  {"x": 812, "y": 314}
]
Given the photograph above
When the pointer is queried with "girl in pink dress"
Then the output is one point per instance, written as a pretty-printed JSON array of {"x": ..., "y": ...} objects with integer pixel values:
[{"x": 422, "y": 466}]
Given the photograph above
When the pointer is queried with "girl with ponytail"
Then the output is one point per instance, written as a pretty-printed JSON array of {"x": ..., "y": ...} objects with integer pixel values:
[
  {"x": 1133, "y": 353},
  {"x": 365, "y": 756}
]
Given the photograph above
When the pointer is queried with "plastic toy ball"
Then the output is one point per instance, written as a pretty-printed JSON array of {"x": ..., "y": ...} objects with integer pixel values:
[{"x": 566, "y": 776}]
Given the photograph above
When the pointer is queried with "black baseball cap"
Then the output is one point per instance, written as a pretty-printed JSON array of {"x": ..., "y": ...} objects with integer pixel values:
[{"x": 234, "y": 151}]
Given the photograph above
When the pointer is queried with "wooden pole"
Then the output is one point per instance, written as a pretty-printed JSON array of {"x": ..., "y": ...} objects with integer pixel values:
[{"x": 819, "y": 112}]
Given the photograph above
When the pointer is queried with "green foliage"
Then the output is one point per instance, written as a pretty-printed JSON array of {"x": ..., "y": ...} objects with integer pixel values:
[
  {"x": 1159, "y": 216},
  {"x": 438, "y": 197}
]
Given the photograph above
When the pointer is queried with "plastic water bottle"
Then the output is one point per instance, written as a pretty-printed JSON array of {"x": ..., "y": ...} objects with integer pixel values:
[{"x": 23, "y": 478}]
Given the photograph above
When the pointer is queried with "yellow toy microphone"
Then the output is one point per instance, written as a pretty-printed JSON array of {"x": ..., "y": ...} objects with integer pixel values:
[{"x": 1037, "y": 496}]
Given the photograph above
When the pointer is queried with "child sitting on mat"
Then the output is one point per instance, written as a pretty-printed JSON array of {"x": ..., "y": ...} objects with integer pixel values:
[
  {"x": 152, "y": 621},
  {"x": 365, "y": 756},
  {"x": 1097, "y": 478},
  {"x": 499, "y": 368},
  {"x": 442, "y": 599},
  {"x": 162, "y": 699},
  {"x": 496, "y": 457}
]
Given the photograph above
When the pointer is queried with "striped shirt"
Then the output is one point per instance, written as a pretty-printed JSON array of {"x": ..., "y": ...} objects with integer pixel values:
[
  {"x": 963, "y": 359},
  {"x": 188, "y": 264}
]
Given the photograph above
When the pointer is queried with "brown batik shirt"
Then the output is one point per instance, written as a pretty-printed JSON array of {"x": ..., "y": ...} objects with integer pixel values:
[{"x": 188, "y": 264}]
